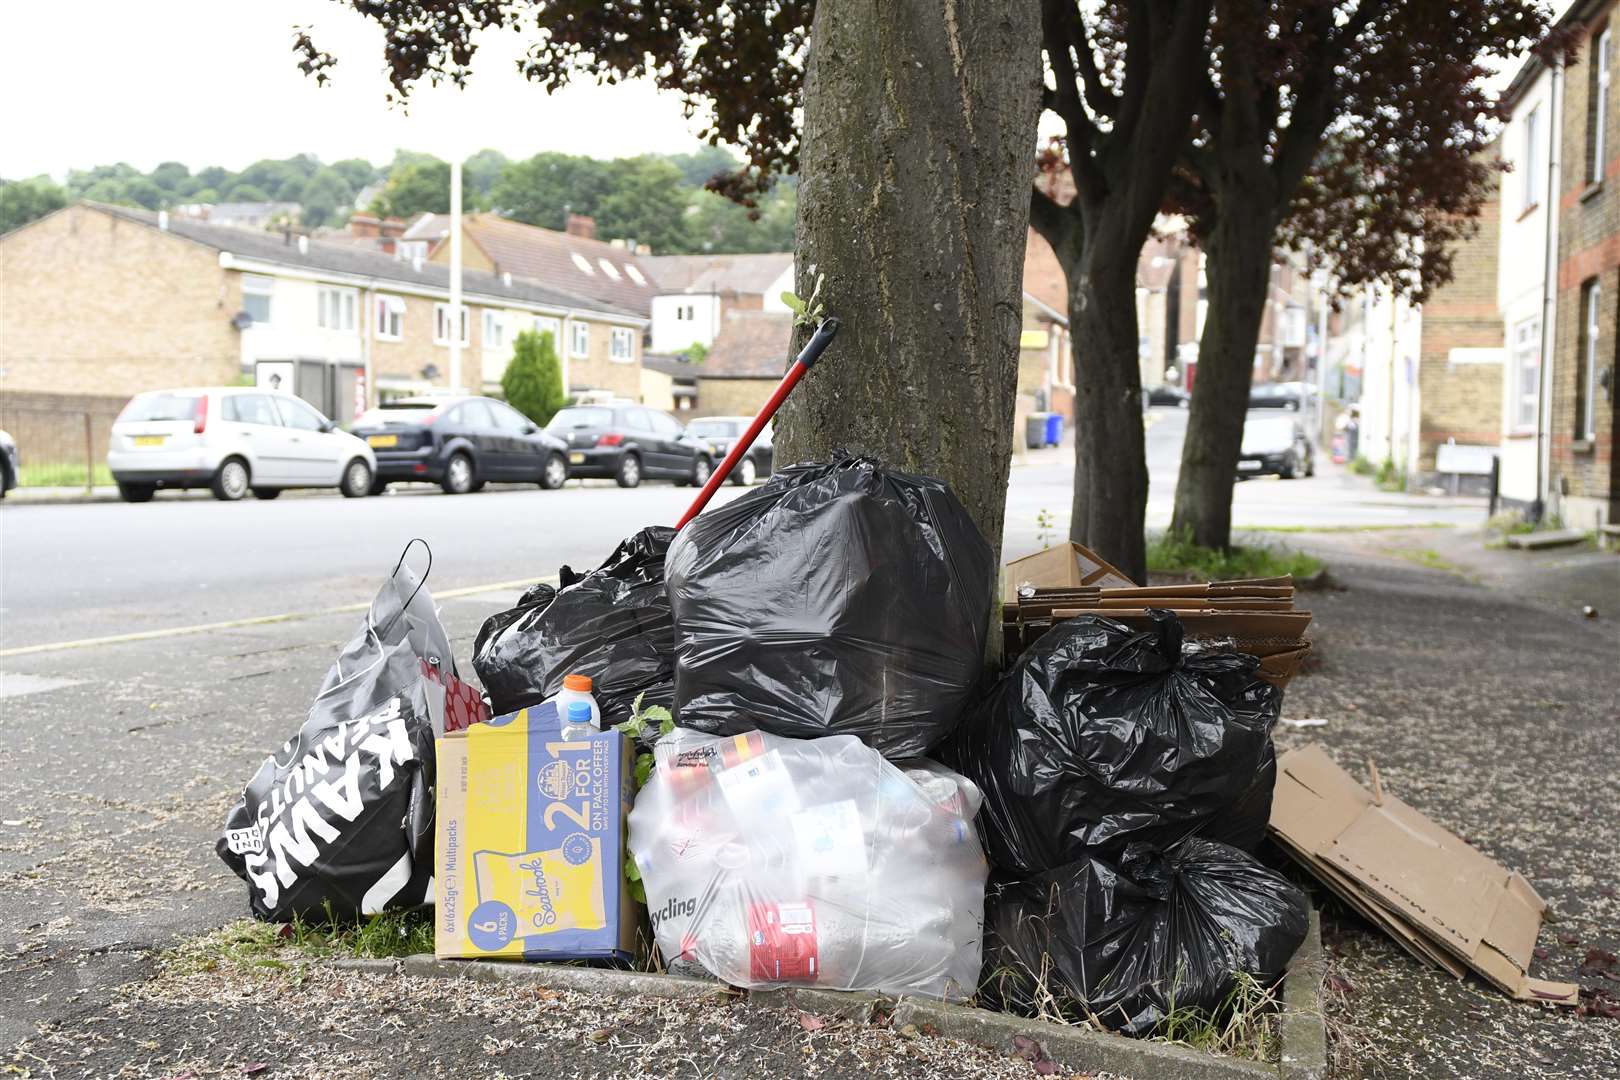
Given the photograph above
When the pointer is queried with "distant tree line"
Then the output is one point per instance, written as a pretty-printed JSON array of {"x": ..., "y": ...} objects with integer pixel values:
[{"x": 654, "y": 199}]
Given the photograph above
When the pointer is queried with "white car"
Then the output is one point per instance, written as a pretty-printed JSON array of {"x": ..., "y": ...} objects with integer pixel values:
[{"x": 233, "y": 440}]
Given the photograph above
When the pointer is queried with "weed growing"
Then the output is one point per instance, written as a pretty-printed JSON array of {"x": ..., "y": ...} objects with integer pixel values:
[{"x": 1173, "y": 553}]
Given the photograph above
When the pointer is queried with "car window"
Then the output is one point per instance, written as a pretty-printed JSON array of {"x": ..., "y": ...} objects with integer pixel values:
[
  {"x": 581, "y": 416},
  {"x": 637, "y": 419},
  {"x": 474, "y": 414},
  {"x": 295, "y": 414},
  {"x": 664, "y": 424},
  {"x": 162, "y": 406},
  {"x": 713, "y": 429},
  {"x": 250, "y": 409},
  {"x": 508, "y": 418}
]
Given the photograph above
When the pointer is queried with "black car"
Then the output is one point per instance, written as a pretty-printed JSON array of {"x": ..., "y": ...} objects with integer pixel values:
[
  {"x": 10, "y": 464},
  {"x": 1286, "y": 395},
  {"x": 1274, "y": 443},
  {"x": 1168, "y": 395},
  {"x": 461, "y": 444},
  {"x": 628, "y": 442},
  {"x": 722, "y": 431}
]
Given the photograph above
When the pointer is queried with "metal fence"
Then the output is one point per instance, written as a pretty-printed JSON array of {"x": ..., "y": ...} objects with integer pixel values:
[{"x": 62, "y": 442}]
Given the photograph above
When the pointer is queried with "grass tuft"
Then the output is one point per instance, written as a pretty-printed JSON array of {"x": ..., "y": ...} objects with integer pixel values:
[
  {"x": 248, "y": 943},
  {"x": 61, "y": 474},
  {"x": 1172, "y": 553}
]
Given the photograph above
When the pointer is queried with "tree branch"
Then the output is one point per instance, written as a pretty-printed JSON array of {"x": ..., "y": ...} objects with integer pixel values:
[
  {"x": 1054, "y": 222},
  {"x": 1082, "y": 133},
  {"x": 1102, "y": 100},
  {"x": 1313, "y": 103}
]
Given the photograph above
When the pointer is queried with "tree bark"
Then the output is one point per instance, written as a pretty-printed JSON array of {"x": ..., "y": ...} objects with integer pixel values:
[
  {"x": 1110, "y": 464},
  {"x": 1238, "y": 269},
  {"x": 917, "y": 149}
]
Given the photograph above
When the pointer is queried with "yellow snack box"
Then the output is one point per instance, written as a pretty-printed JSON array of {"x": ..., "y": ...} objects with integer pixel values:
[{"x": 529, "y": 849}]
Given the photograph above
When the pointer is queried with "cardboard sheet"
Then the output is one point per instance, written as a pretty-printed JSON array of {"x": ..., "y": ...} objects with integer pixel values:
[
  {"x": 1063, "y": 566},
  {"x": 1441, "y": 899}
]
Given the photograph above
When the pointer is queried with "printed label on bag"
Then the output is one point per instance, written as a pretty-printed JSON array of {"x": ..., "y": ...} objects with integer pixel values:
[
  {"x": 830, "y": 841},
  {"x": 243, "y": 841},
  {"x": 782, "y": 942},
  {"x": 760, "y": 788}
]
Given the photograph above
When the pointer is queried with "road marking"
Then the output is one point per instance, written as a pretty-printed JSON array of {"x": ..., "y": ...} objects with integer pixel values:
[
  {"x": 257, "y": 620},
  {"x": 16, "y": 684}
]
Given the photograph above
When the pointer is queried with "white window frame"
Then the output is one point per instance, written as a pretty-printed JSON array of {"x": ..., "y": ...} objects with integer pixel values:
[
  {"x": 494, "y": 329},
  {"x": 261, "y": 285},
  {"x": 336, "y": 309},
  {"x": 579, "y": 339},
  {"x": 390, "y": 318},
  {"x": 1600, "y": 105},
  {"x": 546, "y": 324},
  {"x": 1594, "y": 309},
  {"x": 1531, "y": 157},
  {"x": 1525, "y": 349},
  {"x": 622, "y": 345},
  {"x": 441, "y": 314}
]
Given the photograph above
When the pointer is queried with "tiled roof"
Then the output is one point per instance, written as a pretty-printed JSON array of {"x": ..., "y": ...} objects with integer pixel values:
[
  {"x": 357, "y": 261},
  {"x": 579, "y": 264},
  {"x": 728, "y": 274},
  {"x": 750, "y": 345}
]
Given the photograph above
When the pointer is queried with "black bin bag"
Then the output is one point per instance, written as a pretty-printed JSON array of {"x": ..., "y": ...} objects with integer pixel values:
[
  {"x": 1101, "y": 735},
  {"x": 1132, "y": 940},
  {"x": 841, "y": 598},
  {"x": 612, "y": 624}
]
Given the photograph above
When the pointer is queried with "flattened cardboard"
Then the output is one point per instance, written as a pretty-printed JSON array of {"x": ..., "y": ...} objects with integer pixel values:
[
  {"x": 1063, "y": 566},
  {"x": 1429, "y": 888}
]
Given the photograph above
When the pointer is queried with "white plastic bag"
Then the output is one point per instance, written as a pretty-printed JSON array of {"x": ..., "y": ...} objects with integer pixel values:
[{"x": 778, "y": 862}]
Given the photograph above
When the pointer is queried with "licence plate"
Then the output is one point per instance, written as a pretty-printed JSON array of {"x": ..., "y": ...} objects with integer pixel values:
[
  {"x": 150, "y": 440},
  {"x": 382, "y": 440},
  {"x": 576, "y": 459},
  {"x": 1248, "y": 466}
]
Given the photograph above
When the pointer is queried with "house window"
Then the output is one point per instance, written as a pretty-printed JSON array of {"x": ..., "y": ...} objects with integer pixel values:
[
  {"x": 1597, "y": 113},
  {"x": 256, "y": 290},
  {"x": 441, "y": 324},
  {"x": 335, "y": 309},
  {"x": 623, "y": 345},
  {"x": 543, "y": 325},
  {"x": 580, "y": 345},
  {"x": 494, "y": 330},
  {"x": 1586, "y": 369},
  {"x": 1526, "y": 373},
  {"x": 390, "y": 317},
  {"x": 1531, "y": 158}
]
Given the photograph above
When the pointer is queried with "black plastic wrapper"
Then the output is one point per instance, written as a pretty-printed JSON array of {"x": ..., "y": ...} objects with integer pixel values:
[
  {"x": 1102, "y": 735},
  {"x": 612, "y": 624},
  {"x": 1130, "y": 940},
  {"x": 341, "y": 817},
  {"x": 839, "y": 599}
]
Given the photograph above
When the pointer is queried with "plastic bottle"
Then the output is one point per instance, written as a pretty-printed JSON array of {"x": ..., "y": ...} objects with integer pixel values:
[
  {"x": 577, "y": 688},
  {"x": 577, "y": 724}
]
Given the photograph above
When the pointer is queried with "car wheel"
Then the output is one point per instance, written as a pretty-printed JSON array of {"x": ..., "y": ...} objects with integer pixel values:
[
  {"x": 136, "y": 492},
  {"x": 629, "y": 473},
  {"x": 555, "y": 473},
  {"x": 1310, "y": 465},
  {"x": 231, "y": 482},
  {"x": 1290, "y": 468},
  {"x": 744, "y": 473},
  {"x": 266, "y": 493},
  {"x": 478, "y": 485},
  {"x": 701, "y": 470},
  {"x": 378, "y": 485},
  {"x": 458, "y": 475},
  {"x": 356, "y": 479}
]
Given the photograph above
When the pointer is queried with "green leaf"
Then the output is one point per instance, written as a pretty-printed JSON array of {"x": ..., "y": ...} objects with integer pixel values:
[
  {"x": 793, "y": 302},
  {"x": 644, "y": 768},
  {"x": 632, "y": 872},
  {"x": 666, "y": 726}
]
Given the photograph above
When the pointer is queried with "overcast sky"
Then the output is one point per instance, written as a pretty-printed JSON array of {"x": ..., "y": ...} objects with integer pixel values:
[{"x": 215, "y": 82}]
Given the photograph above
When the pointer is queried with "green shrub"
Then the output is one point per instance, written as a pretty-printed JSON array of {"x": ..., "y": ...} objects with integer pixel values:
[
  {"x": 533, "y": 380},
  {"x": 1173, "y": 553}
]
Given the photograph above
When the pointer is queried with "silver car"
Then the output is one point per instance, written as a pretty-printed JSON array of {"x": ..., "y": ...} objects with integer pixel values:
[{"x": 232, "y": 440}]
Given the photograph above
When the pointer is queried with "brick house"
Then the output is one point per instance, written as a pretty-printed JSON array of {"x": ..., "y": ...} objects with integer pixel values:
[
  {"x": 107, "y": 301},
  {"x": 1563, "y": 140},
  {"x": 696, "y": 292}
]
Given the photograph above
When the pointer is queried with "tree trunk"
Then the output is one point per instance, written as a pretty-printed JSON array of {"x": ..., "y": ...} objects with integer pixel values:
[
  {"x": 1110, "y": 465},
  {"x": 914, "y": 172},
  {"x": 1238, "y": 269}
]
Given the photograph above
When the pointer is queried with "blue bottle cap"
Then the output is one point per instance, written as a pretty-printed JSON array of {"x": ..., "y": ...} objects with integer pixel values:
[{"x": 579, "y": 712}]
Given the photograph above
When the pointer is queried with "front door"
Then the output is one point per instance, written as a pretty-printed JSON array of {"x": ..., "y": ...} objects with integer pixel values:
[
  {"x": 315, "y": 457},
  {"x": 253, "y": 428}
]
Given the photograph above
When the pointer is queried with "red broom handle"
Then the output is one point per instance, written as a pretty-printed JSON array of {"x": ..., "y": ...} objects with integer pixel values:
[{"x": 806, "y": 359}]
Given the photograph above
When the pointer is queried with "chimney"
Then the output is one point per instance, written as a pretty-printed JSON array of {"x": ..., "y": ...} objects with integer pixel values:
[{"x": 581, "y": 225}]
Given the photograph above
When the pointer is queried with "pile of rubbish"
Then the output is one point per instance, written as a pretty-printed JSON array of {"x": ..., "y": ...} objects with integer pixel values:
[{"x": 774, "y": 729}]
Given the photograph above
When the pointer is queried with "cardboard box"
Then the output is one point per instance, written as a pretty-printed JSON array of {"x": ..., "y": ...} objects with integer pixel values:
[
  {"x": 1441, "y": 899},
  {"x": 1065, "y": 566},
  {"x": 529, "y": 848}
]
